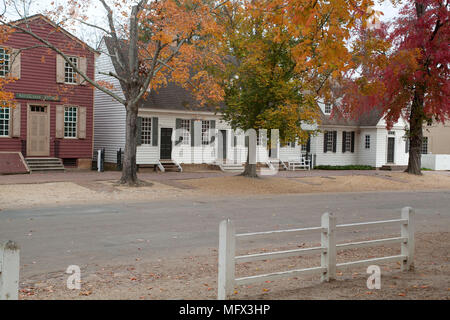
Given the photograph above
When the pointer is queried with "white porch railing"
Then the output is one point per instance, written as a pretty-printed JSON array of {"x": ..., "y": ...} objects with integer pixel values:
[
  {"x": 9, "y": 271},
  {"x": 327, "y": 250}
]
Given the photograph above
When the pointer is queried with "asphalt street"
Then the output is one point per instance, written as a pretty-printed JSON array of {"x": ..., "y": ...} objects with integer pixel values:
[{"x": 94, "y": 235}]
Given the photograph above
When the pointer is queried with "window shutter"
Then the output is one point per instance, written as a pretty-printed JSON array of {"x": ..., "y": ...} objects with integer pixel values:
[
  {"x": 247, "y": 139},
  {"x": 334, "y": 140},
  {"x": 59, "y": 122},
  {"x": 60, "y": 66},
  {"x": 192, "y": 132},
  {"x": 353, "y": 141},
  {"x": 155, "y": 131},
  {"x": 15, "y": 121},
  {"x": 16, "y": 63},
  {"x": 325, "y": 141},
  {"x": 344, "y": 136},
  {"x": 308, "y": 145},
  {"x": 213, "y": 131},
  {"x": 407, "y": 146},
  {"x": 81, "y": 122},
  {"x": 138, "y": 131},
  {"x": 178, "y": 134},
  {"x": 82, "y": 66}
]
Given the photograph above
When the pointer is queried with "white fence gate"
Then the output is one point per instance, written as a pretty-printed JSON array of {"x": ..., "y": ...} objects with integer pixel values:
[
  {"x": 327, "y": 249},
  {"x": 9, "y": 271}
]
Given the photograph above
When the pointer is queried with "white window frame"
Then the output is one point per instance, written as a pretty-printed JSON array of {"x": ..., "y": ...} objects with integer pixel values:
[
  {"x": 206, "y": 126},
  {"x": 348, "y": 141},
  {"x": 424, "y": 149},
  {"x": 328, "y": 108},
  {"x": 70, "y": 76},
  {"x": 330, "y": 140},
  {"x": 5, "y": 120},
  {"x": 185, "y": 127},
  {"x": 70, "y": 122},
  {"x": 5, "y": 62},
  {"x": 367, "y": 141},
  {"x": 146, "y": 130}
]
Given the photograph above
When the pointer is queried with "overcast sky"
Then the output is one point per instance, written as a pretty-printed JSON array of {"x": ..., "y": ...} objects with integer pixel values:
[{"x": 97, "y": 14}]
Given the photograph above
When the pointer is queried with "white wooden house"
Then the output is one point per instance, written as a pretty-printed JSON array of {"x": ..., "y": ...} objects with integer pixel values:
[{"x": 172, "y": 108}]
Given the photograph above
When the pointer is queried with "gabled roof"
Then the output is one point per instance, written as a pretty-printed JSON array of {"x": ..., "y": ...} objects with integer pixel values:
[
  {"x": 369, "y": 119},
  {"x": 54, "y": 25},
  {"x": 171, "y": 97}
]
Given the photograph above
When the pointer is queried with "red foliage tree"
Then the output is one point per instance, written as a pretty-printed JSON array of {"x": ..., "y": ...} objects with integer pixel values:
[{"x": 404, "y": 70}]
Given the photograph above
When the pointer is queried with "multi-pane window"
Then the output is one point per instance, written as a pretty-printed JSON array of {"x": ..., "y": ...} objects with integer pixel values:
[
  {"x": 186, "y": 129},
  {"x": 330, "y": 140},
  {"x": 304, "y": 147},
  {"x": 425, "y": 145},
  {"x": 367, "y": 142},
  {"x": 206, "y": 125},
  {"x": 5, "y": 60},
  {"x": 328, "y": 108},
  {"x": 348, "y": 141},
  {"x": 4, "y": 121},
  {"x": 391, "y": 133},
  {"x": 70, "y": 122},
  {"x": 146, "y": 131},
  {"x": 69, "y": 72}
]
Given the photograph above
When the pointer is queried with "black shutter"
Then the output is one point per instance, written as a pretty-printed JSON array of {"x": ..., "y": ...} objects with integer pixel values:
[
  {"x": 178, "y": 137},
  {"x": 192, "y": 133},
  {"x": 138, "y": 131},
  {"x": 334, "y": 140},
  {"x": 155, "y": 130},
  {"x": 407, "y": 146},
  {"x": 344, "y": 136},
  {"x": 308, "y": 145},
  {"x": 213, "y": 130},
  {"x": 247, "y": 139},
  {"x": 293, "y": 144},
  {"x": 353, "y": 141},
  {"x": 325, "y": 141}
]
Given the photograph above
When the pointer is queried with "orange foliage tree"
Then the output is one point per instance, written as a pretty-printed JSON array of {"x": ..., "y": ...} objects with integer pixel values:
[{"x": 153, "y": 42}]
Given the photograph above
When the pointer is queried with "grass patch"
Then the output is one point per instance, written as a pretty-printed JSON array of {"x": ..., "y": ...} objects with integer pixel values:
[
  {"x": 426, "y": 169},
  {"x": 349, "y": 167}
]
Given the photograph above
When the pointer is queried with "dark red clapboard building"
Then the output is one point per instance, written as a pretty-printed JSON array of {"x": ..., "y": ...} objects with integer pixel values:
[{"x": 52, "y": 121}]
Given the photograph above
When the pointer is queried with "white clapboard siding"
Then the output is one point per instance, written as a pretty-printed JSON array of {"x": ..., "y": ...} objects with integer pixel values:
[
  {"x": 109, "y": 115},
  {"x": 337, "y": 158},
  {"x": 287, "y": 152}
]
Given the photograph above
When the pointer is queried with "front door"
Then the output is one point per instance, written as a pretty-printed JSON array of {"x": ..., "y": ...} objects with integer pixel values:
[
  {"x": 166, "y": 144},
  {"x": 38, "y": 137},
  {"x": 223, "y": 147},
  {"x": 391, "y": 150}
]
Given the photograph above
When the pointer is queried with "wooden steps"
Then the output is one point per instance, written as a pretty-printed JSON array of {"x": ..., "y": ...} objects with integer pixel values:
[
  {"x": 171, "y": 166},
  {"x": 45, "y": 165}
]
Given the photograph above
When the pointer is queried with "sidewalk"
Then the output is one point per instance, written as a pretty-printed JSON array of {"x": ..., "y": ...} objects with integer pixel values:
[{"x": 91, "y": 176}]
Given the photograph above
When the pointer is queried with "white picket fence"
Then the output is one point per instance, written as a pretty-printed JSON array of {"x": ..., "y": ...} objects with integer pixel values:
[
  {"x": 9, "y": 271},
  {"x": 327, "y": 250}
]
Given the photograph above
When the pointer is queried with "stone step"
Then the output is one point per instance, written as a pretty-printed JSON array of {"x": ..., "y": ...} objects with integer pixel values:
[{"x": 45, "y": 164}]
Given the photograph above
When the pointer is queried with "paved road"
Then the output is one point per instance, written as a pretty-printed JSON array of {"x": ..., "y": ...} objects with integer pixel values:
[{"x": 53, "y": 238}]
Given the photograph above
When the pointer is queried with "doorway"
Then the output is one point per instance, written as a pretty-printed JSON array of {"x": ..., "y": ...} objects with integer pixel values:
[
  {"x": 391, "y": 150},
  {"x": 38, "y": 132},
  {"x": 166, "y": 144},
  {"x": 223, "y": 147}
]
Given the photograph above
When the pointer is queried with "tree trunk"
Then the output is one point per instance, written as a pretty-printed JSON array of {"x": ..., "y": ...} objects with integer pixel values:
[
  {"x": 250, "y": 166},
  {"x": 129, "y": 175},
  {"x": 416, "y": 135}
]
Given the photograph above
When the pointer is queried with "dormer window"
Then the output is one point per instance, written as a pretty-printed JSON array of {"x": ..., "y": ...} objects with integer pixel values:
[
  {"x": 328, "y": 109},
  {"x": 5, "y": 60},
  {"x": 69, "y": 72}
]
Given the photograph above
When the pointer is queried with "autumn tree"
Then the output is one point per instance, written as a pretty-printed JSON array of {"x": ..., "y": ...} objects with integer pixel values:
[
  {"x": 281, "y": 57},
  {"x": 404, "y": 71},
  {"x": 153, "y": 42}
]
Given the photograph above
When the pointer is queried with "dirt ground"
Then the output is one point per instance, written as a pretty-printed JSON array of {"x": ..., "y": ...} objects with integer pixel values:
[
  {"x": 195, "y": 277},
  {"x": 67, "y": 193},
  {"x": 351, "y": 183}
]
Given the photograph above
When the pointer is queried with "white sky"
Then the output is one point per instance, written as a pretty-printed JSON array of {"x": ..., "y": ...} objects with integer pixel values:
[{"x": 97, "y": 15}]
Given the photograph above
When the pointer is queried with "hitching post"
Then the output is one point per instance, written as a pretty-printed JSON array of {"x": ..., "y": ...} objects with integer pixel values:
[
  {"x": 328, "y": 241},
  {"x": 407, "y": 231},
  {"x": 227, "y": 245},
  {"x": 9, "y": 271}
]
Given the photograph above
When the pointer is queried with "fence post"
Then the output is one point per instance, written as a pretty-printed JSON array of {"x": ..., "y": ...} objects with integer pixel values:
[
  {"x": 407, "y": 231},
  {"x": 9, "y": 271},
  {"x": 328, "y": 241},
  {"x": 227, "y": 245}
]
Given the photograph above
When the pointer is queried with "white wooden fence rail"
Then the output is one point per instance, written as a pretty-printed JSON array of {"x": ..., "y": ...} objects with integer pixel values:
[
  {"x": 9, "y": 271},
  {"x": 327, "y": 250}
]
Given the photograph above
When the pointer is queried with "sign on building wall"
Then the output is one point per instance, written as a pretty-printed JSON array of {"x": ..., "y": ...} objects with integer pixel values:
[{"x": 30, "y": 96}]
